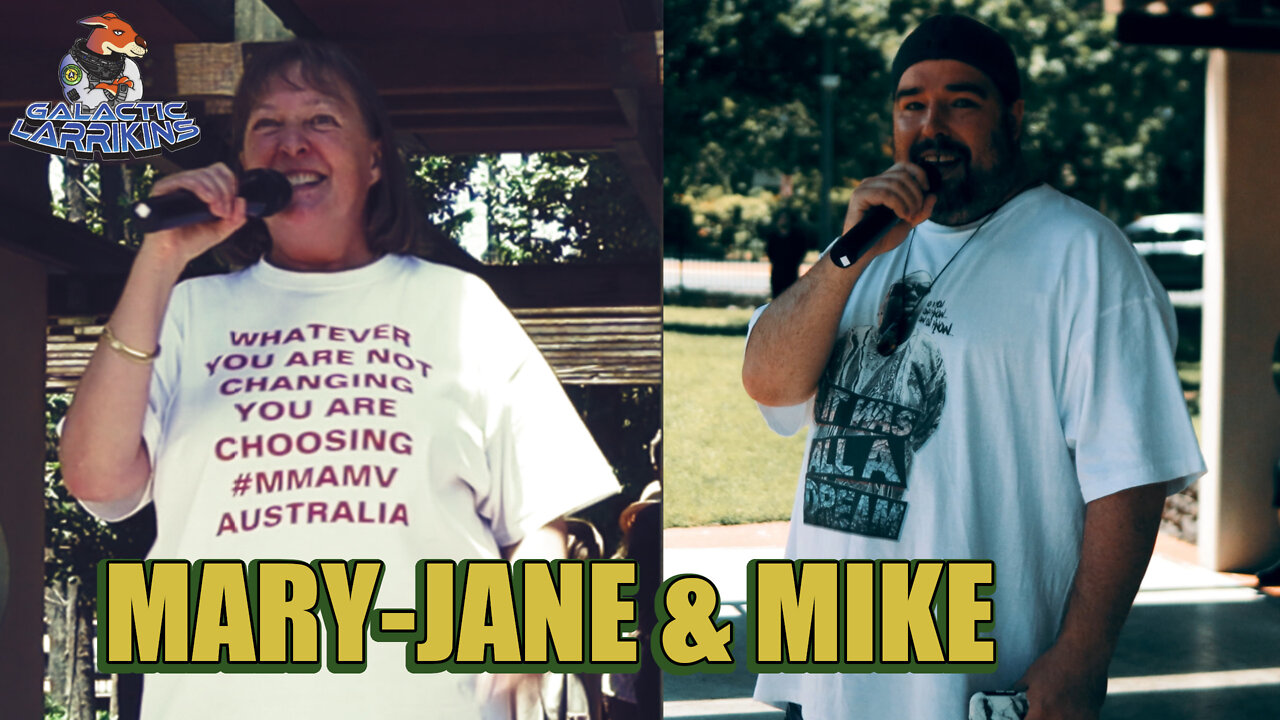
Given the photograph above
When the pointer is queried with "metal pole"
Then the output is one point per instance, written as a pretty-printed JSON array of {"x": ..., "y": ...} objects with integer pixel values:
[{"x": 828, "y": 82}]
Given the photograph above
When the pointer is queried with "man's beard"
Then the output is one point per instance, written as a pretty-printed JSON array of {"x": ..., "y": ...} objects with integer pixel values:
[{"x": 978, "y": 190}]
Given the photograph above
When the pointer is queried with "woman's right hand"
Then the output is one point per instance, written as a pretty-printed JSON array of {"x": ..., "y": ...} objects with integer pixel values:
[
  {"x": 216, "y": 186},
  {"x": 104, "y": 457}
]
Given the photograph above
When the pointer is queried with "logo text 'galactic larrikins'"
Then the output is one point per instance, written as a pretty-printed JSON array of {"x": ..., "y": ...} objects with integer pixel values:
[
  {"x": 102, "y": 115},
  {"x": 128, "y": 130}
]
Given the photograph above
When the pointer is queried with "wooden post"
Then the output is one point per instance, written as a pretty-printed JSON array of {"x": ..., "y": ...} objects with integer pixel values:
[
  {"x": 1240, "y": 409},
  {"x": 111, "y": 195},
  {"x": 22, "y": 294}
]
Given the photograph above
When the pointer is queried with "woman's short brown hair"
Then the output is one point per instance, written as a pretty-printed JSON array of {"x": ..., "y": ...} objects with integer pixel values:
[{"x": 391, "y": 223}]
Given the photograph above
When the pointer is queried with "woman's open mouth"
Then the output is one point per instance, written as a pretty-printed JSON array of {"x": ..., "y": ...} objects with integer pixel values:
[{"x": 300, "y": 180}]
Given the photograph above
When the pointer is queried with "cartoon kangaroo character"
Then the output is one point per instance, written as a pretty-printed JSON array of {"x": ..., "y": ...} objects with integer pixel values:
[{"x": 100, "y": 68}]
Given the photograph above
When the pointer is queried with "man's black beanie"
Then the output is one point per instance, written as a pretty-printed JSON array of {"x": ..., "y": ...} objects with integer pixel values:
[{"x": 956, "y": 37}]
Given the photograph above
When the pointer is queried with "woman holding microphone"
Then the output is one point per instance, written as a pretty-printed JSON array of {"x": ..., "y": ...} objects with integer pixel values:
[{"x": 335, "y": 399}]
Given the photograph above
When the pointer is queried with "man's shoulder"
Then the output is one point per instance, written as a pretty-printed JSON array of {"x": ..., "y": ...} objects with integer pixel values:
[
  {"x": 1058, "y": 211},
  {"x": 1090, "y": 255},
  {"x": 1069, "y": 229}
]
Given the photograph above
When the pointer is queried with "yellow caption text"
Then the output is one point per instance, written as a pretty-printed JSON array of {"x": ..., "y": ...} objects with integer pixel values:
[{"x": 473, "y": 616}]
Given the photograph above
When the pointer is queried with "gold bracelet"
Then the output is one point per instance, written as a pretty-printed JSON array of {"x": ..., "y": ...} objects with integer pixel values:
[{"x": 133, "y": 354}]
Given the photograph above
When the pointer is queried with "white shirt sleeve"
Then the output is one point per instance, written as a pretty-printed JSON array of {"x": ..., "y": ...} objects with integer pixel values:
[
  {"x": 787, "y": 420},
  {"x": 1123, "y": 412},
  {"x": 543, "y": 462}
]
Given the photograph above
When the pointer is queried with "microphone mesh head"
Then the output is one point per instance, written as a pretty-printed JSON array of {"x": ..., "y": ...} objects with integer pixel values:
[
  {"x": 266, "y": 191},
  {"x": 935, "y": 177}
]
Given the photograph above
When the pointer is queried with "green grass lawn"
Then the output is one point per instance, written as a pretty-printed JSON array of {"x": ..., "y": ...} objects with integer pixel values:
[{"x": 721, "y": 464}]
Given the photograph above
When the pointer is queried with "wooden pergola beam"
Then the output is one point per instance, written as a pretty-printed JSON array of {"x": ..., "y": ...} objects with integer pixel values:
[{"x": 552, "y": 62}]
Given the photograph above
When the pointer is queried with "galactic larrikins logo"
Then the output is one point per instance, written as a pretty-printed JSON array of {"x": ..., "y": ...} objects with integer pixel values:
[{"x": 104, "y": 116}]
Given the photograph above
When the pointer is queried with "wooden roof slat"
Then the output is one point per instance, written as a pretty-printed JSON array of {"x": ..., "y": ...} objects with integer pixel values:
[
  {"x": 483, "y": 101},
  {"x": 374, "y": 21},
  {"x": 552, "y": 62},
  {"x": 549, "y": 336},
  {"x": 603, "y": 331},
  {"x": 527, "y": 312},
  {"x": 457, "y": 141},
  {"x": 466, "y": 120}
]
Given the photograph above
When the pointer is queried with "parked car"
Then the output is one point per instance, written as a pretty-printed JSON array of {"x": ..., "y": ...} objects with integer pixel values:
[{"x": 1173, "y": 246}]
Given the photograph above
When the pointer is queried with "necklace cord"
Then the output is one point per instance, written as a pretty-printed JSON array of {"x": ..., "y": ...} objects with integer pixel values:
[
  {"x": 911, "y": 240},
  {"x": 898, "y": 325}
]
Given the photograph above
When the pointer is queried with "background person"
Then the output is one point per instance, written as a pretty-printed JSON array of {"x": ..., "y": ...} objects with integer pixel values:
[
  {"x": 337, "y": 398},
  {"x": 785, "y": 243},
  {"x": 1063, "y": 424}
]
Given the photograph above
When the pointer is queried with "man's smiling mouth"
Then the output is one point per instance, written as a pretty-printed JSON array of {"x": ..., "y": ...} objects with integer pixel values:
[
  {"x": 940, "y": 158},
  {"x": 941, "y": 153}
]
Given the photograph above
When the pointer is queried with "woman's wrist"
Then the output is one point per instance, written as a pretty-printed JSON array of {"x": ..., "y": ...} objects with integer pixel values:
[{"x": 160, "y": 259}]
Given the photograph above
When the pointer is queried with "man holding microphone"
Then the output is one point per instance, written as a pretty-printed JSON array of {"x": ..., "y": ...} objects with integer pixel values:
[{"x": 992, "y": 378}]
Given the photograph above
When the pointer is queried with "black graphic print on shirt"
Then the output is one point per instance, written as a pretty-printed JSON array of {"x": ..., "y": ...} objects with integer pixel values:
[{"x": 872, "y": 414}]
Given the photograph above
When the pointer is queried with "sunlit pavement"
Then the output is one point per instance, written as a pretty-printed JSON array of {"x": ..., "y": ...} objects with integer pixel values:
[{"x": 1198, "y": 645}]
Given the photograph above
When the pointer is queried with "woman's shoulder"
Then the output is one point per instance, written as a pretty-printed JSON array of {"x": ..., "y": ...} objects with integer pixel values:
[
  {"x": 441, "y": 275},
  {"x": 413, "y": 263},
  {"x": 214, "y": 283}
]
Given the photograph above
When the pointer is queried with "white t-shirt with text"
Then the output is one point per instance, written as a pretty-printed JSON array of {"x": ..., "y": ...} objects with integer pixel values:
[
  {"x": 1038, "y": 377},
  {"x": 396, "y": 412}
]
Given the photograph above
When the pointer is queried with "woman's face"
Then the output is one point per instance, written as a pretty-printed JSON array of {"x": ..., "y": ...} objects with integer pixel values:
[{"x": 320, "y": 143}]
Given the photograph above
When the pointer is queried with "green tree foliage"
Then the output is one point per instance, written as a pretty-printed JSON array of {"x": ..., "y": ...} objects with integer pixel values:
[
  {"x": 439, "y": 181},
  {"x": 74, "y": 542},
  {"x": 564, "y": 207},
  {"x": 1119, "y": 127},
  {"x": 74, "y": 538},
  {"x": 545, "y": 207},
  {"x": 79, "y": 199}
]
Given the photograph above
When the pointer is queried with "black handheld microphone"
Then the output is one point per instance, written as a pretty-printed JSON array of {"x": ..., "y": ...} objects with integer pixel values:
[
  {"x": 875, "y": 221},
  {"x": 266, "y": 192}
]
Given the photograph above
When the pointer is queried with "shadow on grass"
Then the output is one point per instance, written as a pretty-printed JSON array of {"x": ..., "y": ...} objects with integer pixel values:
[
  {"x": 735, "y": 330},
  {"x": 705, "y": 298}
]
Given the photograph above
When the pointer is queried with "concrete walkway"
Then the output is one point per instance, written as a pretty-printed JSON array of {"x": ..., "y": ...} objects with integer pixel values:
[{"x": 1199, "y": 645}]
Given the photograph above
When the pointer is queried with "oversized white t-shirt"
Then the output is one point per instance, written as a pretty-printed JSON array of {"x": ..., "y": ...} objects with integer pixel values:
[
  {"x": 1039, "y": 376},
  {"x": 396, "y": 411}
]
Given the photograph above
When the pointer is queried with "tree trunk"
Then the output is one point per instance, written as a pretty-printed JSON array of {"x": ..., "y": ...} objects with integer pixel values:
[
  {"x": 132, "y": 237},
  {"x": 81, "y": 666},
  {"x": 69, "y": 656},
  {"x": 73, "y": 177},
  {"x": 111, "y": 195},
  {"x": 55, "y": 613}
]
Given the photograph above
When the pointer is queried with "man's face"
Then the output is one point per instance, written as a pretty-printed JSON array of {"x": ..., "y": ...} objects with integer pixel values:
[{"x": 949, "y": 114}]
